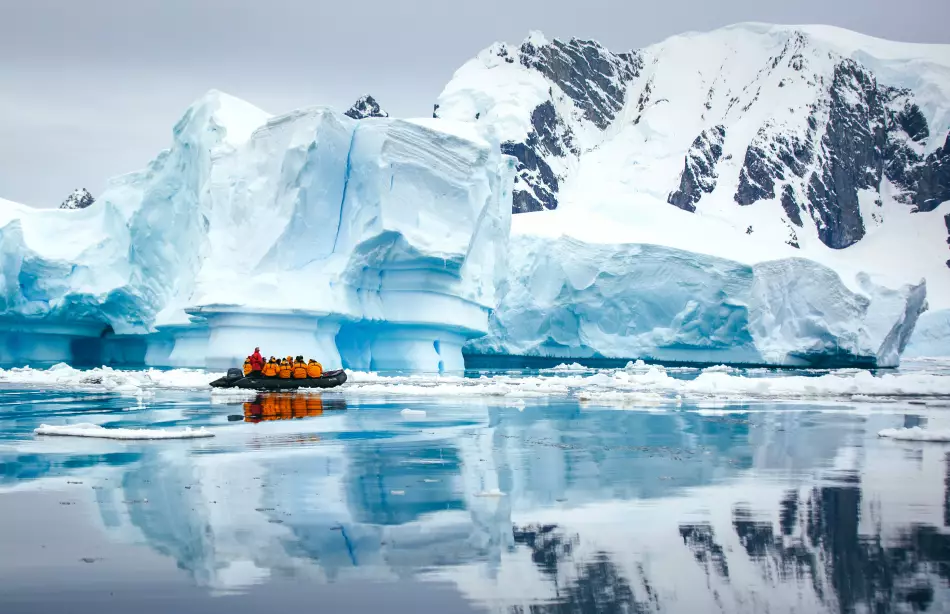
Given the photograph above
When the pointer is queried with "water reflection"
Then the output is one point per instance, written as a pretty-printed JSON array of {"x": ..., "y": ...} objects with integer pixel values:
[
  {"x": 553, "y": 508},
  {"x": 288, "y": 406}
]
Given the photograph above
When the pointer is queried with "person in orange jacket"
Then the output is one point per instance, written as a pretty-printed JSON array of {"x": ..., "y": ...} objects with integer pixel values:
[
  {"x": 314, "y": 369},
  {"x": 271, "y": 369},
  {"x": 300, "y": 368},
  {"x": 285, "y": 370}
]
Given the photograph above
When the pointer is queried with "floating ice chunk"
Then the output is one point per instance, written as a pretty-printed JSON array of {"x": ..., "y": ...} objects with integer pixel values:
[
  {"x": 413, "y": 413},
  {"x": 574, "y": 366},
  {"x": 86, "y": 429},
  {"x": 397, "y": 493},
  {"x": 720, "y": 369},
  {"x": 916, "y": 434}
]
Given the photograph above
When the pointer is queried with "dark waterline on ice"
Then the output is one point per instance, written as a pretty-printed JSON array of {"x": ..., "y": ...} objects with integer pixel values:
[{"x": 340, "y": 502}]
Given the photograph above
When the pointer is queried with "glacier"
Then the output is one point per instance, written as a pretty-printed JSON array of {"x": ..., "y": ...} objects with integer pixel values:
[
  {"x": 374, "y": 243},
  {"x": 567, "y": 298}
]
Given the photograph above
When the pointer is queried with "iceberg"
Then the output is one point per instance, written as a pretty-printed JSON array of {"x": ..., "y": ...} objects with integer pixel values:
[
  {"x": 567, "y": 298},
  {"x": 366, "y": 244}
]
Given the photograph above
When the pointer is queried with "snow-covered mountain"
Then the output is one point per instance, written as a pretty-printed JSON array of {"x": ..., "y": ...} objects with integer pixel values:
[
  {"x": 79, "y": 199},
  {"x": 750, "y": 142},
  {"x": 365, "y": 107}
]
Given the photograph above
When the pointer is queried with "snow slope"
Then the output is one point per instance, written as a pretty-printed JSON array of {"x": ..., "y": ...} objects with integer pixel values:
[{"x": 753, "y": 142}]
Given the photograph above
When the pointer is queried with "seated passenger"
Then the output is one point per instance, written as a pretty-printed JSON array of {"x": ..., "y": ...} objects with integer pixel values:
[
  {"x": 247, "y": 366},
  {"x": 314, "y": 369},
  {"x": 300, "y": 368},
  {"x": 270, "y": 369},
  {"x": 285, "y": 369}
]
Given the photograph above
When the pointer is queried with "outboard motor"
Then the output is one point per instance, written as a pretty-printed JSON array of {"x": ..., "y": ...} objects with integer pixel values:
[{"x": 234, "y": 375}]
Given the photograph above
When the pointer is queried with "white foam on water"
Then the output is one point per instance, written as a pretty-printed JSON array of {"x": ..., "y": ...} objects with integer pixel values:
[{"x": 87, "y": 429}]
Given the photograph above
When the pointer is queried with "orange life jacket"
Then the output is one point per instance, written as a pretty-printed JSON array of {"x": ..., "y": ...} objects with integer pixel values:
[
  {"x": 270, "y": 369},
  {"x": 284, "y": 371},
  {"x": 300, "y": 370},
  {"x": 247, "y": 366},
  {"x": 314, "y": 369}
]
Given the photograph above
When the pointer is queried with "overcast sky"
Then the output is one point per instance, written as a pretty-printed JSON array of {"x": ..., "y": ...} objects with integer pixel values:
[{"x": 91, "y": 88}]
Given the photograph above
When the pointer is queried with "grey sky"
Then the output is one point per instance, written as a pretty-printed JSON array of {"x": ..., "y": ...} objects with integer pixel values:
[{"x": 91, "y": 88}]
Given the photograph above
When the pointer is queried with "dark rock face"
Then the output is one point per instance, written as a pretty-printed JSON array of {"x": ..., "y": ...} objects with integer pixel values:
[
  {"x": 699, "y": 174},
  {"x": 853, "y": 155},
  {"x": 872, "y": 131},
  {"x": 79, "y": 199},
  {"x": 790, "y": 205},
  {"x": 757, "y": 177},
  {"x": 594, "y": 78},
  {"x": 932, "y": 179},
  {"x": 913, "y": 122},
  {"x": 365, "y": 107},
  {"x": 536, "y": 185},
  {"x": 946, "y": 222}
]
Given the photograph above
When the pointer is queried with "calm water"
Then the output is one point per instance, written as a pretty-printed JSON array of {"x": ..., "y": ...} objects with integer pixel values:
[{"x": 343, "y": 503}]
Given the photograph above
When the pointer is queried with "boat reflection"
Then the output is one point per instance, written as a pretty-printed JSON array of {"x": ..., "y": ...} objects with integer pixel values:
[{"x": 289, "y": 406}]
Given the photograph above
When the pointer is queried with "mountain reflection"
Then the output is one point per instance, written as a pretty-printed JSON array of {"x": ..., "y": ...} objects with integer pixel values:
[{"x": 596, "y": 584}]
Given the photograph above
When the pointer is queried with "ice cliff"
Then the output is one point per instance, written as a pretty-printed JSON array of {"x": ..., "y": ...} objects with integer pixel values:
[
  {"x": 572, "y": 299},
  {"x": 296, "y": 233}
]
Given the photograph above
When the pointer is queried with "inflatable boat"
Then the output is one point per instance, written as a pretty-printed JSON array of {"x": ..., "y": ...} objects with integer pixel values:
[{"x": 236, "y": 379}]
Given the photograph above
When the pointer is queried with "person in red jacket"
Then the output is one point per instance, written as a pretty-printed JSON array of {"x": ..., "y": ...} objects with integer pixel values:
[{"x": 257, "y": 362}]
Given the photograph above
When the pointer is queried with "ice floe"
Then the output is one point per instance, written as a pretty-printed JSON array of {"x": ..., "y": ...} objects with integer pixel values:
[
  {"x": 86, "y": 429},
  {"x": 916, "y": 433}
]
